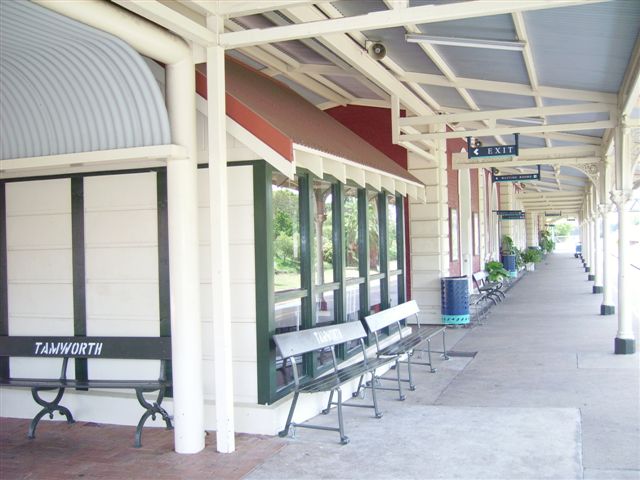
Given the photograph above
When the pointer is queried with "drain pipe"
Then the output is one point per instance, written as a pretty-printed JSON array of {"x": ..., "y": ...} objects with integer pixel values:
[{"x": 186, "y": 339}]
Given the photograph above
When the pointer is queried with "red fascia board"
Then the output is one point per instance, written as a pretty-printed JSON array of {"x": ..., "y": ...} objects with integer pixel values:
[{"x": 253, "y": 122}]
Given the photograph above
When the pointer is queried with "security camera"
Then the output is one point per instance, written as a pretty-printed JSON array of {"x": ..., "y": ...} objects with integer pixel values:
[{"x": 376, "y": 50}]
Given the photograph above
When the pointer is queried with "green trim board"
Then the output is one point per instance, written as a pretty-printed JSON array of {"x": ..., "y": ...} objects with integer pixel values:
[
  {"x": 4, "y": 295},
  {"x": 383, "y": 246},
  {"x": 400, "y": 239},
  {"x": 79, "y": 282},
  {"x": 265, "y": 315},
  {"x": 164, "y": 282}
]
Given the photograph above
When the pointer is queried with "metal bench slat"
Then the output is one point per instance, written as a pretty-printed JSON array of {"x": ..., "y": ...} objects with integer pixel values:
[
  {"x": 392, "y": 315},
  {"x": 296, "y": 343}
]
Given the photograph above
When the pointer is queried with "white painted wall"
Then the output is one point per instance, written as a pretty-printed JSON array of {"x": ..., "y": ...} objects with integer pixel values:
[
  {"x": 429, "y": 235},
  {"x": 39, "y": 269},
  {"x": 243, "y": 308}
]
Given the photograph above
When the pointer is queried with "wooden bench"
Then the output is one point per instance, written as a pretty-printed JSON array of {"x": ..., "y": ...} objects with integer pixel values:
[
  {"x": 148, "y": 348},
  {"x": 293, "y": 345},
  {"x": 406, "y": 345}
]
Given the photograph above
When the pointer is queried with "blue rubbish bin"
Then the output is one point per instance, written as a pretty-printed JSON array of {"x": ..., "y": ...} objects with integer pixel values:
[
  {"x": 578, "y": 250},
  {"x": 509, "y": 262},
  {"x": 455, "y": 300}
]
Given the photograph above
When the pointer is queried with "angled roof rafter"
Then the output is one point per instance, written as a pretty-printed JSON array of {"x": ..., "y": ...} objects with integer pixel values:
[{"x": 388, "y": 19}]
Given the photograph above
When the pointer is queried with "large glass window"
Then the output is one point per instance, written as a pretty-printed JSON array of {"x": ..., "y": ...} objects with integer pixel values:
[{"x": 335, "y": 254}]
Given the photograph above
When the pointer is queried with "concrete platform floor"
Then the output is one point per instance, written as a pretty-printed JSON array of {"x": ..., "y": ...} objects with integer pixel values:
[{"x": 537, "y": 393}]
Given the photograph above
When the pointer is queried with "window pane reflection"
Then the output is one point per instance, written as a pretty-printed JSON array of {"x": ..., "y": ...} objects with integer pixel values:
[
  {"x": 286, "y": 233},
  {"x": 393, "y": 291},
  {"x": 374, "y": 296},
  {"x": 351, "y": 231},
  {"x": 374, "y": 236},
  {"x": 322, "y": 255},
  {"x": 392, "y": 235},
  {"x": 287, "y": 318}
]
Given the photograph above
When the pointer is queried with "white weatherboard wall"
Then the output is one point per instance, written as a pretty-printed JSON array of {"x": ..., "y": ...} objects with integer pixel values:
[
  {"x": 40, "y": 277},
  {"x": 121, "y": 255},
  {"x": 121, "y": 284},
  {"x": 429, "y": 233},
  {"x": 39, "y": 267}
]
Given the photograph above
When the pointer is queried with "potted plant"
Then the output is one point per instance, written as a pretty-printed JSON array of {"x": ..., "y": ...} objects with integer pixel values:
[
  {"x": 509, "y": 258},
  {"x": 546, "y": 242},
  {"x": 495, "y": 271},
  {"x": 530, "y": 257}
]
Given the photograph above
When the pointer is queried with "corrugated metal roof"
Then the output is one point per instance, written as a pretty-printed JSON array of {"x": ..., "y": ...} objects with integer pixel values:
[
  {"x": 496, "y": 27},
  {"x": 261, "y": 104},
  {"x": 68, "y": 88},
  {"x": 585, "y": 47}
]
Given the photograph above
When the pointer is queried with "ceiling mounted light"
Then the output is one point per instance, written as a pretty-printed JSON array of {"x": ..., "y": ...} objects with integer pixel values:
[{"x": 466, "y": 42}]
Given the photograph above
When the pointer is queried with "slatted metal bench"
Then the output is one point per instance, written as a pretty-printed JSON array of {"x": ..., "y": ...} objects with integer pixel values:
[
  {"x": 407, "y": 344},
  {"x": 494, "y": 290},
  {"x": 293, "y": 345},
  {"x": 147, "y": 348}
]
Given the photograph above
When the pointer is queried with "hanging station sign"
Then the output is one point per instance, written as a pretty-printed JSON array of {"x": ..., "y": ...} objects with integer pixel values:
[
  {"x": 510, "y": 214},
  {"x": 478, "y": 151},
  {"x": 516, "y": 177},
  {"x": 552, "y": 214}
]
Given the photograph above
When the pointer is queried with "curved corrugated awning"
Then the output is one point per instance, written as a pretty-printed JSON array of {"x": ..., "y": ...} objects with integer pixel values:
[
  {"x": 68, "y": 88},
  {"x": 301, "y": 133}
]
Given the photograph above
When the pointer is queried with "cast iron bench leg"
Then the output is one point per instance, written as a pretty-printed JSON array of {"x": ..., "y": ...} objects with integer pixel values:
[
  {"x": 48, "y": 409},
  {"x": 152, "y": 411}
]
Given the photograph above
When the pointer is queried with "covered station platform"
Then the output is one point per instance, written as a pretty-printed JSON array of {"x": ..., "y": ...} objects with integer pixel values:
[
  {"x": 182, "y": 180},
  {"x": 531, "y": 393}
]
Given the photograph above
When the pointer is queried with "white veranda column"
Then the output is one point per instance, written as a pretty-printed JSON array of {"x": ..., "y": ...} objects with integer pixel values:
[
  {"x": 182, "y": 188},
  {"x": 608, "y": 306},
  {"x": 531, "y": 220},
  {"x": 466, "y": 240},
  {"x": 625, "y": 342},
  {"x": 625, "y": 339},
  {"x": 597, "y": 254},
  {"x": 587, "y": 245},
  {"x": 220, "y": 276},
  {"x": 593, "y": 266}
]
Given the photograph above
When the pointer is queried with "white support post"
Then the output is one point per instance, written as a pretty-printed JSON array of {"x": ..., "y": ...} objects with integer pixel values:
[
  {"x": 482, "y": 215},
  {"x": 593, "y": 239},
  {"x": 506, "y": 203},
  {"x": 182, "y": 188},
  {"x": 429, "y": 232},
  {"x": 219, "y": 225},
  {"x": 607, "y": 307},
  {"x": 531, "y": 220},
  {"x": 587, "y": 244},
  {"x": 466, "y": 235},
  {"x": 597, "y": 254},
  {"x": 625, "y": 342}
]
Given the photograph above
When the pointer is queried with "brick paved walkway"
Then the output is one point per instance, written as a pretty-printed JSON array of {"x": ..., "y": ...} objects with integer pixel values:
[{"x": 99, "y": 451}]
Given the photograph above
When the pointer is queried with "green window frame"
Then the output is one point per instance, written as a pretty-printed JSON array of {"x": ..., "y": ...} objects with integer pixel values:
[{"x": 266, "y": 297}]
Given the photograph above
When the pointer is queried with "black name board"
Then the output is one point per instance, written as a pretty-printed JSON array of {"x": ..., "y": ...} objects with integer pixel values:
[{"x": 86, "y": 347}]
